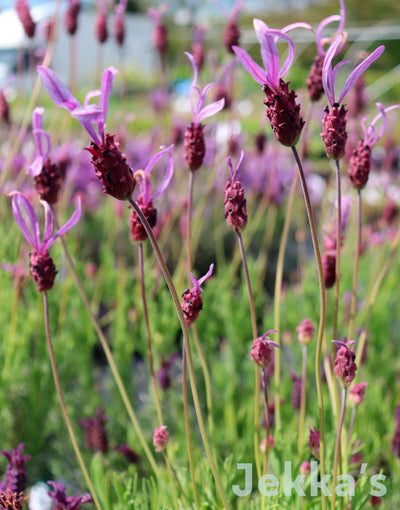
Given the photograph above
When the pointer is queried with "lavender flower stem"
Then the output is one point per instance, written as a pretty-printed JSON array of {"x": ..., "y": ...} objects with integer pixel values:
[
  {"x": 267, "y": 422},
  {"x": 110, "y": 358},
  {"x": 302, "y": 401},
  {"x": 257, "y": 371},
  {"x": 62, "y": 403},
  {"x": 337, "y": 448},
  {"x": 355, "y": 272},
  {"x": 277, "y": 297},
  {"x": 338, "y": 247},
  {"x": 352, "y": 421},
  {"x": 322, "y": 319},
  {"x": 175, "y": 298},
  {"x": 148, "y": 334}
]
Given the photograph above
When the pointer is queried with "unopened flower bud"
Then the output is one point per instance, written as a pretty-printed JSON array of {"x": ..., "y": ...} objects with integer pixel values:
[
  {"x": 235, "y": 206},
  {"x": 231, "y": 36},
  {"x": 360, "y": 165},
  {"x": 71, "y": 17},
  {"x": 42, "y": 270},
  {"x": 160, "y": 438},
  {"x": 263, "y": 443},
  {"x": 137, "y": 229},
  {"x": 24, "y": 15},
  {"x": 194, "y": 148},
  {"x": 261, "y": 352},
  {"x": 345, "y": 366},
  {"x": 101, "y": 27},
  {"x": 334, "y": 133},
  {"x": 305, "y": 331},
  {"x": 305, "y": 468},
  {"x": 314, "y": 80},
  {"x": 357, "y": 392},
  {"x": 314, "y": 442},
  {"x": 329, "y": 269}
]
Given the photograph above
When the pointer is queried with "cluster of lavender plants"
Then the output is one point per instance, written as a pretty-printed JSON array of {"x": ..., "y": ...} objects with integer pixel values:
[{"x": 163, "y": 190}]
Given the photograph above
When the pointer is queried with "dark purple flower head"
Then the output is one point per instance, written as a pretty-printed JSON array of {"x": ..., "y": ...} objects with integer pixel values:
[
  {"x": 235, "y": 202},
  {"x": 261, "y": 352},
  {"x": 295, "y": 396},
  {"x": 129, "y": 454},
  {"x": 360, "y": 161},
  {"x": 42, "y": 269},
  {"x": 119, "y": 22},
  {"x": 345, "y": 366},
  {"x": 305, "y": 331},
  {"x": 47, "y": 175},
  {"x": 160, "y": 33},
  {"x": 95, "y": 432},
  {"x": 101, "y": 22},
  {"x": 282, "y": 109},
  {"x": 64, "y": 502},
  {"x": 231, "y": 34},
  {"x": 16, "y": 478},
  {"x": 314, "y": 442},
  {"x": 24, "y": 15},
  {"x": 11, "y": 500},
  {"x": 71, "y": 16},
  {"x": 192, "y": 301}
]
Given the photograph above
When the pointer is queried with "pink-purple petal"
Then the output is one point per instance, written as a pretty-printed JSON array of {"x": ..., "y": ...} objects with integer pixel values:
[
  {"x": 73, "y": 220},
  {"x": 211, "y": 109},
  {"x": 289, "y": 59},
  {"x": 327, "y": 81},
  {"x": 168, "y": 174},
  {"x": 42, "y": 141},
  {"x": 359, "y": 70},
  {"x": 107, "y": 81},
  {"x": 321, "y": 26},
  {"x": 48, "y": 223},
  {"x": 90, "y": 95},
  {"x": 207, "y": 275},
  {"x": 58, "y": 92},
  {"x": 19, "y": 204},
  {"x": 37, "y": 116},
  {"x": 258, "y": 74},
  {"x": 36, "y": 167}
]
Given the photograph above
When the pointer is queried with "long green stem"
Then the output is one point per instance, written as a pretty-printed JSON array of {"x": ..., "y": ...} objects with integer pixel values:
[
  {"x": 267, "y": 422},
  {"x": 277, "y": 298},
  {"x": 338, "y": 258},
  {"x": 322, "y": 319},
  {"x": 257, "y": 371},
  {"x": 63, "y": 406},
  {"x": 337, "y": 448},
  {"x": 148, "y": 335},
  {"x": 110, "y": 360},
  {"x": 355, "y": 272},
  {"x": 302, "y": 401},
  {"x": 181, "y": 317}
]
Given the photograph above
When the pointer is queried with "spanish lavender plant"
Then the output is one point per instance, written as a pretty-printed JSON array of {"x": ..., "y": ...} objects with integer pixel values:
[
  {"x": 192, "y": 301},
  {"x": 110, "y": 164},
  {"x": 16, "y": 478},
  {"x": 64, "y": 502},
  {"x": 119, "y": 22}
]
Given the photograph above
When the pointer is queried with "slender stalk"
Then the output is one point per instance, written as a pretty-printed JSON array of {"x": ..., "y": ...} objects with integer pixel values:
[
  {"x": 63, "y": 406},
  {"x": 352, "y": 421},
  {"x": 110, "y": 358},
  {"x": 277, "y": 298},
  {"x": 337, "y": 448},
  {"x": 148, "y": 334},
  {"x": 322, "y": 319},
  {"x": 338, "y": 248},
  {"x": 267, "y": 423},
  {"x": 355, "y": 272},
  {"x": 187, "y": 426},
  {"x": 173, "y": 472},
  {"x": 302, "y": 401},
  {"x": 189, "y": 223},
  {"x": 185, "y": 332},
  {"x": 257, "y": 371}
]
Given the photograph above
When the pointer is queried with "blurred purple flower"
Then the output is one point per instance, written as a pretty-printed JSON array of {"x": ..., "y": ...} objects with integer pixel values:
[
  {"x": 64, "y": 502},
  {"x": 16, "y": 478},
  {"x": 119, "y": 22}
]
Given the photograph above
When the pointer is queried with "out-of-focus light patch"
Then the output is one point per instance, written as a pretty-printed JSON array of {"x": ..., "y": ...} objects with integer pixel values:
[
  {"x": 317, "y": 188},
  {"x": 182, "y": 105},
  {"x": 245, "y": 107},
  {"x": 39, "y": 498},
  {"x": 373, "y": 191},
  {"x": 226, "y": 130}
]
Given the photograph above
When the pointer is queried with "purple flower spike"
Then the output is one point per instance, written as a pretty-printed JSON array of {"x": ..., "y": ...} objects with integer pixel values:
[
  {"x": 64, "y": 502},
  {"x": 282, "y": 110},
  {"x": 16, "y": 478},
  {"x": 235, "y": 203},
  {"x": 261, "y": 352},
  {"x": 192, "y": 301},
  {"x": 145, "y": 199},
  {"x": 345, "y": 366},
  {"x": 42, "y": 269}
]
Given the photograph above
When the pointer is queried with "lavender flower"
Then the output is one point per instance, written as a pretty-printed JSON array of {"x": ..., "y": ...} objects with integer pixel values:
[
  {"x": 24, "y": 15},
  {"x": 235, "y": 203},
  {"x": 101, "y": 22},
  {"x": 145, "y": 200},
  {"x": 231, "y": 35},
  {"x": 111, "y": 167},
  {"x": 282, "y": 110},
  {"x": 95, "y": 432},
  {"x": 42, "y": 269},
  {"x": 192, "y": 301},
  {"x": 46, "y": 174},
  {"x": 64, "y": 502},
  {"x": 345, "y": 366},
  {"x": 160, "y": 438},
  {"x": 334, "y": 132},
  {"x": 357, "y": 392},
  {"x": 261, "y": 352},
  {"x": 194, "y": 145},
  {"x": 16, "y": 478},
  {"x": 119, "y": 22},
  {"x": 314, "y": 80},
  {"x": 160, "y": 33},
  {"x": 360, "y": 161},
  {"x": 305, "y": 331},
  {"x": 314, "y": 442},
  {"x": 71, "y": 16}
]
